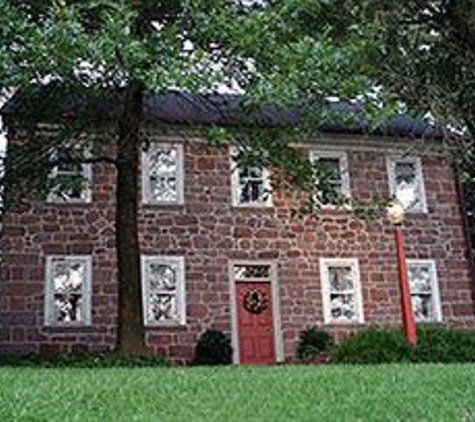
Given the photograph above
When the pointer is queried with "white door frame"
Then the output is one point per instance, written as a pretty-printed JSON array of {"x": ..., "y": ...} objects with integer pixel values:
[{"x": 277, "y": 328}]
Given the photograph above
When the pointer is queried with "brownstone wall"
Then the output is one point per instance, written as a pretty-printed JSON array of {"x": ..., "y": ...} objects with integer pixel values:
[{"x": 209, "y": 232}]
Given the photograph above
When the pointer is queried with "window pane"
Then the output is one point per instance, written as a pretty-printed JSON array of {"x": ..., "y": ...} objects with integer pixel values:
[
  {"x": 162, "y": 278},
  {"x": 252, "y": 191},
  {"x": 70, "y": 181},
  {"x": 70, "y": 186},
  {"x": 332, "y": 167},
  {"x": 407, "y": 184},
  {"x": 68, "y": 277},
  {"x": 251, "y": 185},
  {"x": 422, "y": 307},
  {"x": 162, "y": 307},
  {"x": 163, "y": 161},
  {"x": 251, "y": 271},
  {"x": 164, "y": 188},
  {"x": 67, "y": 308},
  {"x": 163, "y": 169},
  {"x": 420, "y": 279},
  {"x": 65, "y": 154},
  {"x": 341, "y": 279},
  {"x": 254, "y": 173},
  {"x": 422, "y": 284},
  {"x": 343, "y": 307},
  {"x": 329, "y": 189}
]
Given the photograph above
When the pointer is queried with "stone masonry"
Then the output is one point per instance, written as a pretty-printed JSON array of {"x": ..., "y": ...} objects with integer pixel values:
[{"x": 209, "y": 232}]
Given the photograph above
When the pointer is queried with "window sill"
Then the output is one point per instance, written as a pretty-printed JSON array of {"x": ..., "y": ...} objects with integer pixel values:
[
  {"x": 67, "y": 328},
  {"x": 423, "y": 212},
  {"x": 254, "y": 206},
  {"x": 165, "y": 325},
  {"x": 68, "y": 203},
  {"x": 343, "y": 323},
  {"x": 163, "y": 204}
]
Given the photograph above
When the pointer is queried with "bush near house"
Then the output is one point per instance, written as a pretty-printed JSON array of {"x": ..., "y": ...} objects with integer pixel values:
[
  {"x": 313, "y": 344},
  {"x": 445, "y": 345},
  {"x": 213, "y": 348},
  {"x": 372, "y": 346},
  {"x": 435, "y": 345}
]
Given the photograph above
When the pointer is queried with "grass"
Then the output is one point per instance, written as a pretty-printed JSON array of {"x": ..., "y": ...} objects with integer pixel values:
[{"x": 273, "y": 393}]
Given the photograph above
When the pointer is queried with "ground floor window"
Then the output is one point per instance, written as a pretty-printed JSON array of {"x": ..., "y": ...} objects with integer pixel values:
[
  {"x": 424, "y": 290},
  {"x": 68, "y": 290},
  {"x": 163, "y": 288},
  {"x": 341, "y": 292}
]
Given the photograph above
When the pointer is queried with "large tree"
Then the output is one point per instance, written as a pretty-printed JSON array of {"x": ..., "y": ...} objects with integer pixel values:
[
  {"x": 425, "y": 55},
  {"x": 123, "y": 51}
]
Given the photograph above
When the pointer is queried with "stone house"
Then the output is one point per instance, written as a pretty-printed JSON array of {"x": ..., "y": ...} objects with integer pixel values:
[{"x": 222, "y": 249}]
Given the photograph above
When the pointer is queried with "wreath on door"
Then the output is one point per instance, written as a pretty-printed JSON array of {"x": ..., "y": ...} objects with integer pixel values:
[{"x": 255, "y": 301}]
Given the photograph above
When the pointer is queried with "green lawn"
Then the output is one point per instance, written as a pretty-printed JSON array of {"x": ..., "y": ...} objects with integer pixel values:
[{"x": 273, "y": 393}]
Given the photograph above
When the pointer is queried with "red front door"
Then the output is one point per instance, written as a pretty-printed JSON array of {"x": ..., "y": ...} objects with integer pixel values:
[{"x": 255, "y": 322}]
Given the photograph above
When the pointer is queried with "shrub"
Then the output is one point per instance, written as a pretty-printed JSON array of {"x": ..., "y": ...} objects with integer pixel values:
[
  {"x": 213, "y": 348},
  {"x": 373, "y": 346},
  {"x": 82, "y": 360},
  {"x": 444, "y": 345},
  {"x": 313, "y": 342},
  {"x": 434, "y": 345}
]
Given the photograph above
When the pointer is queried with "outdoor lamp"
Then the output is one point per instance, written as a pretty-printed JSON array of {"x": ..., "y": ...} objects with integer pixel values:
[{"x": 396, "y": 214}]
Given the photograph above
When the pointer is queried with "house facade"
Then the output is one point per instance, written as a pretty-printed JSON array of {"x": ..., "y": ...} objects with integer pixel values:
[{"x": 221, "y": 248}]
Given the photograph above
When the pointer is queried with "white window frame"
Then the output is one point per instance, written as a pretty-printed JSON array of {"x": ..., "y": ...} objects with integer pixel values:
[
  {"x": 431, "y": 264},
  {"x": 86, "y": 290},
  {"x": 236, "y": 185},
  {"x": 325, "y": 264},
  {"x": 86, "y": 194},
  {"x": 344, "y": 169},
  {"x": 177, "y": 262},
  {"x": 391, "y": 169},
  {"x": 179, "y": 175}
]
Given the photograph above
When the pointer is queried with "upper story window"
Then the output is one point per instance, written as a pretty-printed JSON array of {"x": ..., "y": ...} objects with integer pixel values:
[
  {"x": 342, "y": 302},
  {"x": 163, "y": 174},
  {"x": 163, "y": 289},
  {"x": 72, "y": 181},
  {"x": 334, "y": 166},
  {"x": 68, "y": 290},
  {"x": 406, "y": 182},
  {"x": 250, "y": 185},
  {"x": 424, "y": 290}
]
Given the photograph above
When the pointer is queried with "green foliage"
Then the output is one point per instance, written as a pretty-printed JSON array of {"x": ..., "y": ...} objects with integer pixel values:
[
  {"x": 86, "y": 360},
  {"x": 373, "y": 346},
  {"x": 85, "y": 48},
  {"x": 445, "y": 345},
  {"x": 435, "y": 345},
  {"x": 213, "y": 348},
  {"x": 313, "y": 342},
  {"x": 327, "y": 393}
]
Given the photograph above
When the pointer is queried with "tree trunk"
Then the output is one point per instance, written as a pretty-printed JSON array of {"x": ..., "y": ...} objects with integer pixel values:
[{"x": 130, "y": 334}]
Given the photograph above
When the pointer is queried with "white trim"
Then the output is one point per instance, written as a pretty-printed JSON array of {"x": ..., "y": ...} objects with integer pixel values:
[
  {"x": 431, "y": 264},
  {"x": 86, "y": 290},
  {"x": 180, "y": 173},
  {"x": 391, "y": 170},
  {"x": 278, "y": 335},
  {"x": 344, "y": 169},
  {"x": 325, "y": 263},
  {"x": 236, "y": 186},
  {"x": 177, "y": 262}
]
